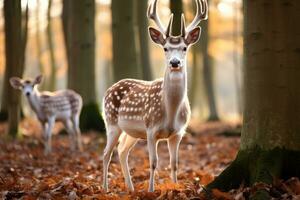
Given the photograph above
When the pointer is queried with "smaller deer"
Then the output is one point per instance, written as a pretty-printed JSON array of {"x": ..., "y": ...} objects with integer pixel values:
[{"x": 63, "y": 105}]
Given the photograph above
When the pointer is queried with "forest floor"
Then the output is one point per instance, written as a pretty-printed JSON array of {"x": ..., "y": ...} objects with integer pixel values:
[{"x": 25, "y": 172}]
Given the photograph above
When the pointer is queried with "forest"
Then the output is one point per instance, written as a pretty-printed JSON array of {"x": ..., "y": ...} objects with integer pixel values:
[{"x": 150, "y": 99}]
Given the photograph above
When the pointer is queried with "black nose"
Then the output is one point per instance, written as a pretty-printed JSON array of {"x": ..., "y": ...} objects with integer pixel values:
[
  {"x": 27, "y": 93},
  {"x": 175, "y": 62}
]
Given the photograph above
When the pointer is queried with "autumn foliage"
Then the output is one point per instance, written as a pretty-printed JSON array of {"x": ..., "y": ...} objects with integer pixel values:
[{"x": 26, "y": 173}]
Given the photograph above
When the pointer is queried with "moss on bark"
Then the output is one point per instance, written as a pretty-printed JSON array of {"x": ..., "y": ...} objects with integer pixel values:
[
  {"x": 91, "y": 119},
  {"x": 257, "y": 165}
]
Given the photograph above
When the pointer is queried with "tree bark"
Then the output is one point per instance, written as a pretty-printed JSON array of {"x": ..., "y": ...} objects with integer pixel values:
[
  {"x": 15, "y": 45},
  {"x": 177, "y": 9},
  {"x": 125, "y": 60},
  {"x": 81, "y": 49},
  {"x": 52, "y": 79},
  {"x": 270, "y": 142},
  {"x": 142, "y": 22}
]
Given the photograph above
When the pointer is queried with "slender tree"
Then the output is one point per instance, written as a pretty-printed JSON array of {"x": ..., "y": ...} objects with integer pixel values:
[
  {"x": 270, "y": 142},
  {"x": 65, "y": 22},
  {"x": 125, "y": 60},
  {"x": 196, "y": 79},
  {"x": 39, "y": 41},
  {"x": 201, "y": 58},
  {"x": 208, "y": 73},
  {"x": 142, "y": 25},
  {"x": 177, "y": 9},
  {"x": 15, "y": 45},
  {"x": 80, "y": 48},
  {"x": 52, "y": 79}
]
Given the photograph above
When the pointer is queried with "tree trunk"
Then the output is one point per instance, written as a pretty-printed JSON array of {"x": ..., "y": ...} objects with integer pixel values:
[
  {"x": 177, "y": 9},
  {"x": 142, "y": 22},
  {"x": 65, "y": 24},
  {"x": 194, "y": 76},
  {"x": 270, "y": 142},
  {"x": 39, "y": 42},
  {"x": 15, "y": 45},
  {"x": 208, "y": 73},
  {"x": 81, "y": 49},
  {"x": 52, "y": 79},
  {"x": 125, "y": 61}
]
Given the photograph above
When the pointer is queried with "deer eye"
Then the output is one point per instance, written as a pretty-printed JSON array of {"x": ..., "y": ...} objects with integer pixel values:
[
  {"x": 184, "y": 49},
  {"x": 165, "y": 49}
]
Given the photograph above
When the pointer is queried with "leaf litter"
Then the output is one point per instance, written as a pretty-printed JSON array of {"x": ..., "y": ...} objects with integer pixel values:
[{"x": 26, "y": 173}]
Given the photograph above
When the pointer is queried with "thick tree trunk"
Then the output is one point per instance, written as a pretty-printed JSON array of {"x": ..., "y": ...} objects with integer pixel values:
[
  {"x": 81, "y": 50},
  {"x": 142, "y": 22},
  {"x": 177, "y": 9},
  {"x": 15, "y": 44},
  {"x": 125, "y": 61},
  {"x": 52, "y": 78},
  {"x": 208, "y": 73},
  {"x": 270, "y": 142}
]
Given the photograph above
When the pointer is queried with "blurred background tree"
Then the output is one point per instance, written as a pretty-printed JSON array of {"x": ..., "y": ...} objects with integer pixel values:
[
  {"x": 80, "y": 42},
  {"x": 177, "y": 9},
  {"x": 143, "y": 41},
  {"x": 125, "y": 55},
  {"x": 208, "y": 75},
  {"x": 15, "y": 28},
  {"x": 52, "y": 79}
]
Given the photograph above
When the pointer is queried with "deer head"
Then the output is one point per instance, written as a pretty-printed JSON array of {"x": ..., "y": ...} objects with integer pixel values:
[
  {"x": 27, "y": 86},
  {"x": 175, "y": 47}
]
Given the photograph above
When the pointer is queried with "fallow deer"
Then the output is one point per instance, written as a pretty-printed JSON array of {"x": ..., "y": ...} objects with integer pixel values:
[
  {"x": 153, "y": 110},
  {"x": 62, "y": 105}
]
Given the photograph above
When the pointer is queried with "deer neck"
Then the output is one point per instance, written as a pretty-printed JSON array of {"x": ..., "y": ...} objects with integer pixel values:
[
  {"x": 174, "y": 93},
  {"x": 34, "y": 101}
]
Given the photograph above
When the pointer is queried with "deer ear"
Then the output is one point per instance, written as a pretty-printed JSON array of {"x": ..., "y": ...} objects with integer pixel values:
[
  {"x": 38, "y": 79},
  {"x": 193, "y": 36},
  {"x": 16, "y": 83},
  {"x": 156, "y": 36}
]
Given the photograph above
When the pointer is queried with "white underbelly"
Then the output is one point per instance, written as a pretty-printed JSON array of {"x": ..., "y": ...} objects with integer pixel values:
[
  {"x": 63, "y": 115},
  {"x": 134, "y": 128}
]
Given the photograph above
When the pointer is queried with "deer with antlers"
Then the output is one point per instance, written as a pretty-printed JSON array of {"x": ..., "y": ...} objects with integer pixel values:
[
  {"x": 63, "y": 105},
  {"x": 153, "y": 110}
]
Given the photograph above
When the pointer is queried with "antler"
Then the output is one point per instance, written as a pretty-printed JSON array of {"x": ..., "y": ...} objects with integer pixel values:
[
  {"x": 201, "y": 14},
  {"x": 152, "y": 14}
]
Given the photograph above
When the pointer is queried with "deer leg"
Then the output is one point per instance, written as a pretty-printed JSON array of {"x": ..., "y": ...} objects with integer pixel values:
[
  {"x": 44, "y": 127},
  {"x": 173, "y": 144},
  {"x": 75, "y": 121},
  {"x": 48, "y": 134},
  {"x": 70, "y": 130},
  {"x": 113, "y": 134},
  {"x": 152, "y": 148},
  {"x": 126, "y": 143}
]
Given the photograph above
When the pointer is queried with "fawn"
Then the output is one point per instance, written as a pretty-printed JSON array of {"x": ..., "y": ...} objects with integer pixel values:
[
  {"x": 63, "y": 105},
  {"x": 153, "y": 110}
]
